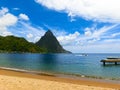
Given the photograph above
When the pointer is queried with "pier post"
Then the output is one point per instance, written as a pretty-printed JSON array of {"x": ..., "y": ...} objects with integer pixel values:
[
  {"x": 115, "y": 63},
  {"x": 104, "y": 63}
]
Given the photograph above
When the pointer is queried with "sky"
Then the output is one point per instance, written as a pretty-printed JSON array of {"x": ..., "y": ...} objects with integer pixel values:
[{"x": 81, "y": 26}]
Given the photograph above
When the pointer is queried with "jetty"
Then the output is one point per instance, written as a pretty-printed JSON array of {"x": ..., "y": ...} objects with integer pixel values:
[{"x": 111, "y": 60}]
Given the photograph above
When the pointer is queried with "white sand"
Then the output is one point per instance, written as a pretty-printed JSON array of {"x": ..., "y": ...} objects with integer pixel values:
[{"x": 23, "y": 83}]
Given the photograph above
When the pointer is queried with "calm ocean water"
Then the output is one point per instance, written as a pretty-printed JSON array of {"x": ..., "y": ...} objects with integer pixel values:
[{"x": 75, "y": 64}]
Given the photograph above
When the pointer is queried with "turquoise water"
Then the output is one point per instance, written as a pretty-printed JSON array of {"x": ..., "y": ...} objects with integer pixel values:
[{"x": 74, "y": 64}]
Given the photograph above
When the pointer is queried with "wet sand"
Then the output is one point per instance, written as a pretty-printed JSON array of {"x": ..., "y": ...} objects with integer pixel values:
[{"x": 14, "y": 80}]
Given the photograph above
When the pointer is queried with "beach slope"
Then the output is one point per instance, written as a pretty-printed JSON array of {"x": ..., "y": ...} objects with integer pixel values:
[{"x": 12, "y": 80}]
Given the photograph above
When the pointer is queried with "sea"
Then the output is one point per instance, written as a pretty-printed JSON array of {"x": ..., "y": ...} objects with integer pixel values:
[{"x": 77, "y": 64}]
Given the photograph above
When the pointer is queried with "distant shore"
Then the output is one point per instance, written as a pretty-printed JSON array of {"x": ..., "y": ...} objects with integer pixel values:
[{"x": 50, "y": 82}]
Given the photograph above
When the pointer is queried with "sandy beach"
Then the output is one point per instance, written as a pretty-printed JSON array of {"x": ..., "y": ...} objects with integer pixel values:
[{"x": 12, "y": 80}]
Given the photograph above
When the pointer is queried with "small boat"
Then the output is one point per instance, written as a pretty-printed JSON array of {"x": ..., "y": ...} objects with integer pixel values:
[{"x": 84, "y": 54}]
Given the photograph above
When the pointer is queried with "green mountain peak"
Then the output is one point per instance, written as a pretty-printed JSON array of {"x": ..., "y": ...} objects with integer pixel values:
[{"x": 51, "y": 44}]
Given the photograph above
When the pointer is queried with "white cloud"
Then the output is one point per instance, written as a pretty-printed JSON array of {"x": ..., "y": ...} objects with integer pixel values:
[
  {"x": 102, "y": 31},
  {"x": 68, "y": 39},
  {"x": 28, "y": 31},
  {"x": 3, "y": 11},
  {"x": 93, "y": 34},
  {"x": 6, "y": 20},
  {"x": 115, "y": 34},
  {"x": 93, "y": 40},
  {"x": 29, "y": 35},
  {"x": 23, "y": 17},
  {"x": 97, "y": 10},
  {"x": 12, "y": 25},
  {"x": 17, "y": 26},
  {"x": 6, "y": 33},
  {"x": 88, "y": 32}
]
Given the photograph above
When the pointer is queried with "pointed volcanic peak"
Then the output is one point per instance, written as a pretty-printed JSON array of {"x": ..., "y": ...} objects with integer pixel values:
[
  {"x": 49, "y": 33},
  {"x": 50, "y": 43}
]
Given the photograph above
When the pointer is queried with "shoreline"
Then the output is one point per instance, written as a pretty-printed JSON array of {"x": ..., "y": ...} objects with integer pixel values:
[
  {"x": 63, "y": 75},
  {"x": 62, "y": 79}
]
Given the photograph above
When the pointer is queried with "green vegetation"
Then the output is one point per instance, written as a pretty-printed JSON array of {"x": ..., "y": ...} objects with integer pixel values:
[{"x": 16, "y": 44}]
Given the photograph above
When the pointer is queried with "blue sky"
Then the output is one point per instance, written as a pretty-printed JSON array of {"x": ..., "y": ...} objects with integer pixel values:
[{"x": 81, "y": 26}]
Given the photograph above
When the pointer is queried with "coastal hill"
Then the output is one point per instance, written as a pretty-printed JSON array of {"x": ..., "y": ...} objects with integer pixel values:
[
  {"x": 50, "y": 43},
  {"x": 47, "y": 44},
  {"x": 16, "y": 44}
]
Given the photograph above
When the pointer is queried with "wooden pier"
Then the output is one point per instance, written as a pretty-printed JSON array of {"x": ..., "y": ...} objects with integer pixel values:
[{"x": 111, "y": 60}]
